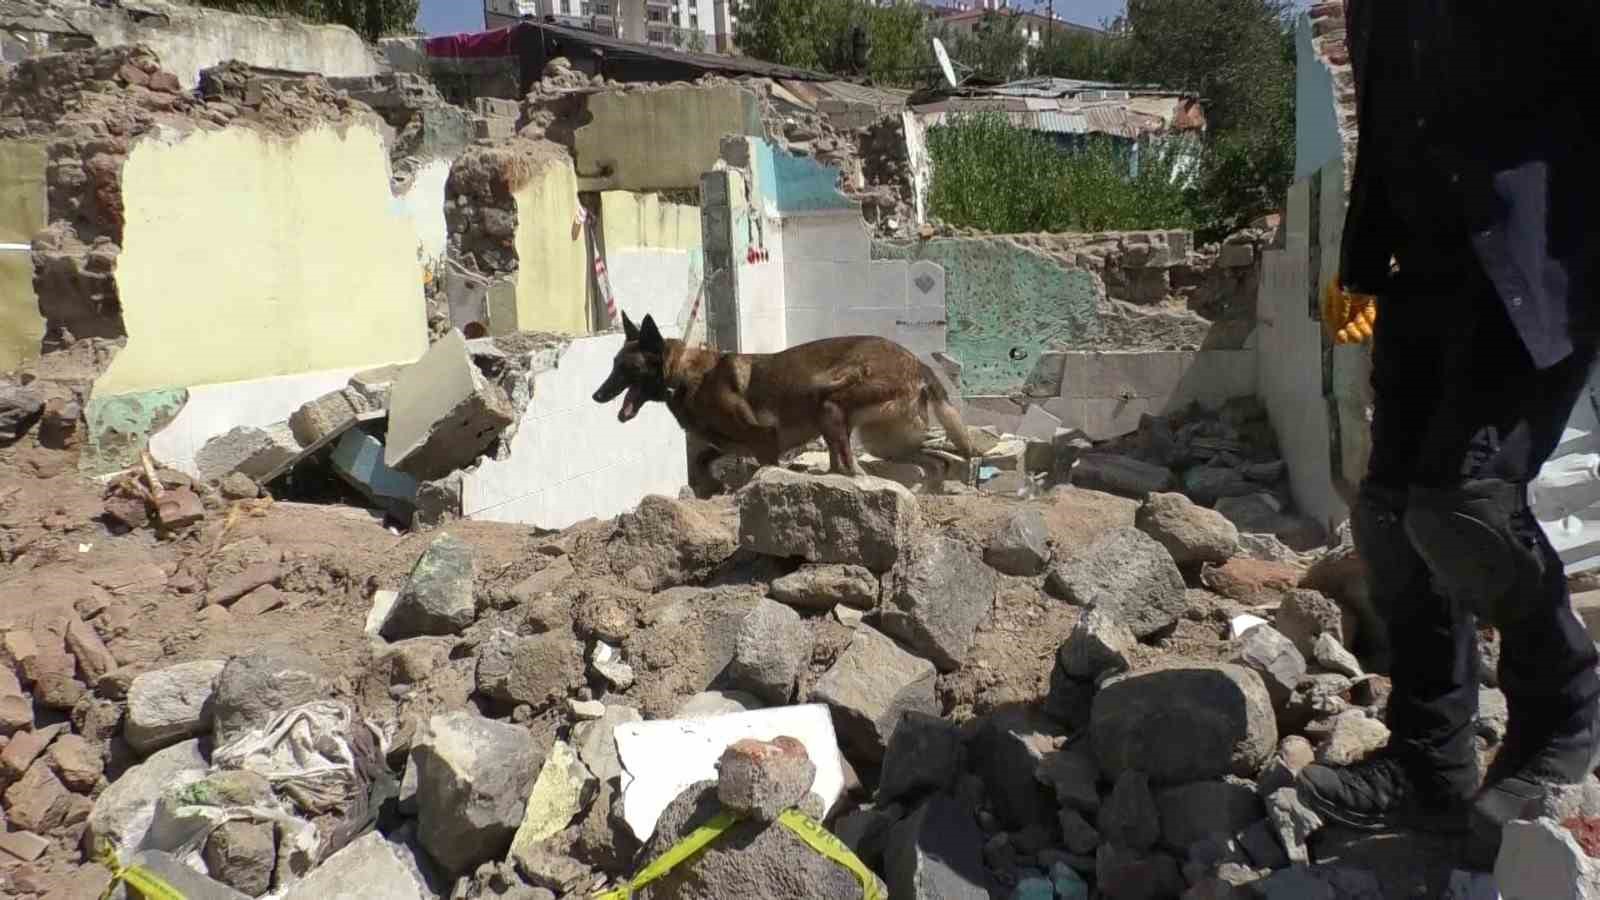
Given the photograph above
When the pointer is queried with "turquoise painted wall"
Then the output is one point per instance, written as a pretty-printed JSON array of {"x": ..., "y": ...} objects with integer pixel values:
[
  {"x": 795, "y": 183},
  {"x": 119, "y": 427},
  {"x": 1316, "y": 121},
  {"x": 1001, "y": 298}
]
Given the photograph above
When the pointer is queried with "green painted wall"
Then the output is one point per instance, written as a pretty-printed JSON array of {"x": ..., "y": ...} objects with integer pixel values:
[
  {"x": 120, "y": 426},
  {"x": 1001, "y": 297}
]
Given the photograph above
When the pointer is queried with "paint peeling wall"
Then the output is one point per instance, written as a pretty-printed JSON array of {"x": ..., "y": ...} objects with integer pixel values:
[
  {"x": 571, "y": 459},
  {"x": 661, "y": 139},
  {"x": 552, "y": 266},
  {"x": 333, "y": 277},
  {"x": 22, "y": 215},
  {"x": 421, "y": 204}
]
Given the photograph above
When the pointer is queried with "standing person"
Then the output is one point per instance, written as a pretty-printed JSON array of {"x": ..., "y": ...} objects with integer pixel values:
[{"x": 1469, "y": 223}]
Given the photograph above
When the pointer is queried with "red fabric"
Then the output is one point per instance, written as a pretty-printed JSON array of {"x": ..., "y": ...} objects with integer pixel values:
[{"x": 470, "y": 45}]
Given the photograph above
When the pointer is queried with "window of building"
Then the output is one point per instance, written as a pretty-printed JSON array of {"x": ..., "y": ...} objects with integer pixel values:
[
  {"x": 658, "y": 37},
  {"x": 602, "y": 9},
  {"x": 655, "y": 15}
]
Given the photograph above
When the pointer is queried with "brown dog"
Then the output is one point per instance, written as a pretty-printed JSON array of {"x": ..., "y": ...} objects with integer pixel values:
[{"x": 765, "y": 404}]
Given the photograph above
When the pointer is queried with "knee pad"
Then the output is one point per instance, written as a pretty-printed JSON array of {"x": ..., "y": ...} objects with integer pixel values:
[
  {"x": 1396, "y": 575},
  {"x": 1474, "y": 546}
]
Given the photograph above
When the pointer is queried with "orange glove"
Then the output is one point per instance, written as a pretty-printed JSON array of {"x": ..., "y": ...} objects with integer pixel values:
[{"x": 1348, "y": 317}]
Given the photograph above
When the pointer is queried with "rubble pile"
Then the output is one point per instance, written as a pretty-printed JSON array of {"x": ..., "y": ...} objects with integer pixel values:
[{"x": 1066, "y": 695}]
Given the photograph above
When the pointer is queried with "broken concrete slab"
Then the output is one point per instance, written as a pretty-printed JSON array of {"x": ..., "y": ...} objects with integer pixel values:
[
  {"x": 248, "y": 450},
  {"x": 358, "y": 459},
  {"x": 321, "y": 420},
  {"x": 443, "y": 413},
  {"x": 661, "y": 758}
]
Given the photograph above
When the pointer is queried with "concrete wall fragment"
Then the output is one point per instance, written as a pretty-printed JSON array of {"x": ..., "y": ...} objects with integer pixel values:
[
  {"x": 22, "y": 215},
  {"x": 663, "y": 139}
]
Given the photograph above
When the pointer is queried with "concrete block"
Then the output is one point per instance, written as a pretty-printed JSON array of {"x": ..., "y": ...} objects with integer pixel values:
[
  {"x": 325, "y": 418},
  {"x": 662, "y": 757},
  {"x": 372, "y": 385},
  {"x": 493, "y": 128},
  {"x": 496, "y": 106},
  {"x": 358, "y": 459},
  {"x": 260, "y": 453},
  {"x": 442, "y": 412}
]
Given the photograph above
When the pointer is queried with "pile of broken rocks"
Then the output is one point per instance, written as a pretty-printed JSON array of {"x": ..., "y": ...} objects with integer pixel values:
[{"x": 1076, "y": 695}]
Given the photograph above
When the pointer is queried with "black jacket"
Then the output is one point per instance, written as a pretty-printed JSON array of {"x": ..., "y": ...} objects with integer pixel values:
[{"x": 1478, "y": 128}]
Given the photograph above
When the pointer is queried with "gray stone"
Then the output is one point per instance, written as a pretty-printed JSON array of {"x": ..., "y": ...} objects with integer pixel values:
[
  {"x": 319, "y": 421},
  {"x": 1130, "y": 817},
  {"x": 764, "y": 778},
  {"x": 1121, "y": 475},
  {"x": 538, "y": 669},
  {"x": 1291, "y": 822},
  {"x": 1021, "y": 545},
  {"x": 242, "y": 855},
  {"x": 1208, "y": 484},
  {"x": 707, "y": 704},
  {"x": 1493, "y": 716},
  {"x": 1261, "y": 844},
  {"x": 1294, "y": 753},
  {"x": 936, "y": 598},
  {"x": 774, "y": 645},
  {"x": 188, "y": 882},
  {"x": 1125, "y": 874},
  {"x": 1184, "y": 721},
  {"x": 20, "y": 407},
  {"x": 443, "y": 413},
  {"x": 924, "y": 754},
  {"x": 1204, "y": 810},
  {"x": 1265, "y": 651},
  {"x": 1331, "y": 655},
  {"x": 369, "y": 866},
  {"x": 1007, "y": 752},
  {"x": 1355, "y": 737},
  {"x": 255, "y": 452},
  {"x": 1306, "y": 614},
  {"x": 253, "y": 688},
  {"x": 124, "y": 810},
  {"x": 1098, "y": 644},
  {"x": 1073, "y": 775},
  {"x": 597, "y": 744},
  {"x": 866, "y": 830},
  {"x": 824, "y": 586},
  {"x": 1540, "y": 860},
  {"x": 1192, "y": 534},
  {"x": 473, "y": 776},
  {"x": 936, "y": 854},
  {"x": 667, "y": 542},
  {"x": 438, "y": 596},
  {"x": 751, "y": 859},
  {"x": 1077, "y": 834},
  {"x": 870, "y": 687},
  {"x": 1127, "y": 573},
  {"x": 1266, "y": 548},
  {"x": 169, "y": 705},
  {"x": 608, "y": 663},
  {"x": 827, "y": 518}
]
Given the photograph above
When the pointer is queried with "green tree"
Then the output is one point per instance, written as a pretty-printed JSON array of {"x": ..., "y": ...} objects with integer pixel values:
[
  {"x": 1082, "y": 55},
  {"x": 371, "y": 19},
  {"x": 817, "y": 34},
  {"x": 696, "y": 41}
]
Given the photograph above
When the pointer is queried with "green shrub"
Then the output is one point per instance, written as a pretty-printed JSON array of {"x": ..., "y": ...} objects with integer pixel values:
[{"x": 990, "y": 174}]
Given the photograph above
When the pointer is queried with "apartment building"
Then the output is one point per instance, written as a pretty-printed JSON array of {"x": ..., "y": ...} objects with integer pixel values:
[{"x": 704, "y": 26}]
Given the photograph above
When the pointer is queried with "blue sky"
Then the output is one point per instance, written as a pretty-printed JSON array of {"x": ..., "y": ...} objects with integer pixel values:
[{"x": 449, "y": 16}]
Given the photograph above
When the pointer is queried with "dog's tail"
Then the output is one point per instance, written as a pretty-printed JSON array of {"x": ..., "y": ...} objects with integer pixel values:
[{"x": 938, "y": 400}]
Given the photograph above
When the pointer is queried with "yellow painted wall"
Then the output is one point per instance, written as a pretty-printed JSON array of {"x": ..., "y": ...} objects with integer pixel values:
[
  {"x": 642, "y": 220},
  {"x": 247, "y": 256},
  {"x": 22, "y": 215},
  {"x": 660, "y": 140},
  {"x": 552, "y": 273}
]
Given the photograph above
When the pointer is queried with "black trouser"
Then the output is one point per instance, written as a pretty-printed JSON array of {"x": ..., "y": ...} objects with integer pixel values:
[{"x": 1458, "y": 399}]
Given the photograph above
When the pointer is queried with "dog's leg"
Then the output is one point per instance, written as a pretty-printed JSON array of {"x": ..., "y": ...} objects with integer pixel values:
[{"x": 836, "y": 434}]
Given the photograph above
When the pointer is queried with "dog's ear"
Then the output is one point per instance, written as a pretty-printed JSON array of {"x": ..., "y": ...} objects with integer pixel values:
[
  {"x": 650, "y": 340},
  {"x": 630, "y": 331}
]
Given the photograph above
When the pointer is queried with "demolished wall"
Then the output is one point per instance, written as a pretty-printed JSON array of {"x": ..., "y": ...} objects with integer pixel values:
[
  {"x": 22, "y": 214},
  {"x": 301, "y": 265},
  {"x": 190, "y": 39}
]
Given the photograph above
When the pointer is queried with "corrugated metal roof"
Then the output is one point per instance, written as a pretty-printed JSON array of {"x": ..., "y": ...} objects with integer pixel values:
[{"x": 1059, "y": 122}]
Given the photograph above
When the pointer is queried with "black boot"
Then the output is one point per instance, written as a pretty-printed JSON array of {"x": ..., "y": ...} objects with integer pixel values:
[
  {"x": 1526, "y": 767},
  {"x": 1382, "y": 793}
]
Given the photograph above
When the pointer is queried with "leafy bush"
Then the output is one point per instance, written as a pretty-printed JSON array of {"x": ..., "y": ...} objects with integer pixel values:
[
  {"x": 371, "y": 19},
  {"x": 990, "y": 174}
]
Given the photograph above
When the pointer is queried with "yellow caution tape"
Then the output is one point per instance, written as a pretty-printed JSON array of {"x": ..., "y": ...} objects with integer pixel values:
[
  {"x": 804, "y": 827},
  {"x": 693, "y": 843},
  {"x": 143, "y": 882},
  {"x": 823, "y": 841}
]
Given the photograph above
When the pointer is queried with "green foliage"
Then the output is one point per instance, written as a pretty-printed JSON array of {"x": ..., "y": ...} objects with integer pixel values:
[
  {"x": 696, "y": 41},
  {"x": 1081, "y": 55},
  {"x": 371, "y": 19},
  {"x": 993, "y": 175},
  {"x": 817, "y": 34}
]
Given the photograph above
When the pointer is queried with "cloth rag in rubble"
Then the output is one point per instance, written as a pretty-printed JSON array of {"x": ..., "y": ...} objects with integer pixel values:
[{"x": 321, "y": 764}]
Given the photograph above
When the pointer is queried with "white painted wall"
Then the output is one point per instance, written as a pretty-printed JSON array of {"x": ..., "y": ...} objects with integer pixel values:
[
  {"x": 832, "y": 286},
  {"x": 763, "y": 300},
  {"x": 571, "y": 459},
  {"x": 422, "y": 204},
  {"x": 1566, "y": 495}
]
